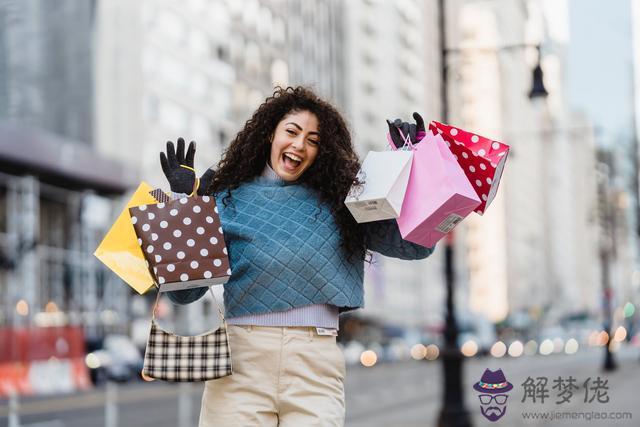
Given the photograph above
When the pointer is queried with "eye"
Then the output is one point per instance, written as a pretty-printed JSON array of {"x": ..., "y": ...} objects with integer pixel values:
[
  {"x": 313, "y": 141},
  {"x": 290, "y": 132}
]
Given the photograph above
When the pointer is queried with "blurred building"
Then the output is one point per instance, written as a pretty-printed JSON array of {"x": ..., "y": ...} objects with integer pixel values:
[
  {"x": 55, "y": 184},
  {"x": 534, "y": 253},
  {"x": 315, "y": 35}
]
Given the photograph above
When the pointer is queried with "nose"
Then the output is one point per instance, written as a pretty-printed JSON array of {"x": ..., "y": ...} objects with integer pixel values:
[{"x": 298, "y": 143}]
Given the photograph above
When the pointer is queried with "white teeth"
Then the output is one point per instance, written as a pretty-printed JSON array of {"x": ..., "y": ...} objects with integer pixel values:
[{"x": 293, "y": 157}]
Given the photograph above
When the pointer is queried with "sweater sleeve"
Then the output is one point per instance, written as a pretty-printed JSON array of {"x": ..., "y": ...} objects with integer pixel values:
[
  {"x": 384, "y": 237},
  {"x": 186, "y": 296}
]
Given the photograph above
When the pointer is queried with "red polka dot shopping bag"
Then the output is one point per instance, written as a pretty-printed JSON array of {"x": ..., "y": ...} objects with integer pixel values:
[
  {"x": 481, "y": 159},
  {"x": 183, "y": 242},
  {"x": 438, "y": 194}
]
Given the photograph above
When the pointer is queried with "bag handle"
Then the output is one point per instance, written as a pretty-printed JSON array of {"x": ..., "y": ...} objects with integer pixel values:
[
  {"x": 406, "y": 139},
  {"x": 155, "y": 305}
]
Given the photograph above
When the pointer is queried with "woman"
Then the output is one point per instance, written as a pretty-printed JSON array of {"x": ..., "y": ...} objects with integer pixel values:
[{"x": 297, "y": 257}]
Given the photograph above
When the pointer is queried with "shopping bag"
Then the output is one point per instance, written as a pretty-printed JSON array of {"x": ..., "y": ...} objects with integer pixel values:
[
  {"x": 438, "y": 195},
  {"x": 120, "y": 251},
  {"x": 482, "y": 159},
  {"x": 183, "y": 242},
  {"x": 385, "y": 175}
]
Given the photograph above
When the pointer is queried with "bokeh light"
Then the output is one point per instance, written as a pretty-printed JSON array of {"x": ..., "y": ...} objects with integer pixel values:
[
  {"x": 418, "y": 352},
  {"x": 469, "y": 348},
  {"x": 603, "y": 338},
  {"x": 629, "y": 309},
  {"x": 92, "y": 361},
  {"x": 546, "y": 347},
  {"x": 516, "y": 349},
  {"x": 531, "y": 348},
  {"x": 22, "y": 308},
  {"x": 368, "y": 358},
  {"x": 571, "y": 347},
  {"x": 620, "y": 334},
  {"x": 498, "y": 349},
  {"x": 432, "y": 352},
  {"x": 51, "y": 307}
]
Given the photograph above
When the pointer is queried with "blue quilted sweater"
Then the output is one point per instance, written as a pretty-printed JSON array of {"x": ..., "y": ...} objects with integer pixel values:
[{"x": 284, "y": 251}]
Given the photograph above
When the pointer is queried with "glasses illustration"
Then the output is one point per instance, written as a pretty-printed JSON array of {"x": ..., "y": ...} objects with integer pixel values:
[{"x": 500, "y": 399}]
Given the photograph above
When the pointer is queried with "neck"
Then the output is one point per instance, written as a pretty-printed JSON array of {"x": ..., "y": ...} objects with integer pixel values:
[{"x": 271, "y": 175}]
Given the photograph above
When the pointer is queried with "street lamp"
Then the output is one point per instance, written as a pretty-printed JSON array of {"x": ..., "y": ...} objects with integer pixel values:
[
  {"x": 537, "y": 88},
  {"x": 453, "y": 412}
]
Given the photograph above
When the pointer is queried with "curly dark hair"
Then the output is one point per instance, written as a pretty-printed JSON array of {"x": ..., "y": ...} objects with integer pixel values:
[{"x": 331, "y": 175}]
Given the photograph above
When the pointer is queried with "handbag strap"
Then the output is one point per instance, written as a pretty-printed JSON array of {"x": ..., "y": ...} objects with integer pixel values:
[{"x": 155, "y": 305}]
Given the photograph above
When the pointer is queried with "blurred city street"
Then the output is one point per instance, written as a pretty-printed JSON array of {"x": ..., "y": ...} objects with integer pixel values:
[
  {"x": 403, "y": 394},
  {"x": 539, "y": 280}
]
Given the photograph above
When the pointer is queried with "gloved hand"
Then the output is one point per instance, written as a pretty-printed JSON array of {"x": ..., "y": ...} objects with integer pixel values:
[
  {"x": 415, "y": 131},
  {"x": 179, "y": 171}
]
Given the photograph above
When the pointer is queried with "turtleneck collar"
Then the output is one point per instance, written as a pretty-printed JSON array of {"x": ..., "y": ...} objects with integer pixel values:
[{"x": 268, "y": 174}]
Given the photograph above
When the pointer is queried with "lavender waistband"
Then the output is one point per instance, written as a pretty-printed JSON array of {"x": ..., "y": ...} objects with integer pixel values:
[{"x": 318, "y": 315}]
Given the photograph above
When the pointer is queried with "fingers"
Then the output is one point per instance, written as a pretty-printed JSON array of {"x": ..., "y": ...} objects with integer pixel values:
[
  {"x": 205, "y": 182},
  {"x": 165, "y": 164},
  {"x": 171, "y": 155},
  {"x": 191, "y": 152},
  {"x": 395, "y": 134},
  {"x": 180, "y": 151},
  {"x": 419, "y": 121}
]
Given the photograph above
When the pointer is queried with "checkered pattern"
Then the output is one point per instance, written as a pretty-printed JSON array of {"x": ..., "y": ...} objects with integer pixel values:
[{"x": 171, "y": 357}]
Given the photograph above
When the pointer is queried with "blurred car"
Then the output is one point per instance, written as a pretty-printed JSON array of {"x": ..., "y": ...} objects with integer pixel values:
[{"x": 118, "y": 360}]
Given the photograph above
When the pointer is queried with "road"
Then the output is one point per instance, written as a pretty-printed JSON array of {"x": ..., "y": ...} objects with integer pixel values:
[{"x": 398, "y": 395}]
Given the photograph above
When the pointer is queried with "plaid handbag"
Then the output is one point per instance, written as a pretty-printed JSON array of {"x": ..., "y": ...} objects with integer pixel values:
[{"x": 171, "y": 357}]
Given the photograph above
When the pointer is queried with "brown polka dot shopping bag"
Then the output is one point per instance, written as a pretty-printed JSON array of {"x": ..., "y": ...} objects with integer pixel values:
[{"x": 183, "y": 242}]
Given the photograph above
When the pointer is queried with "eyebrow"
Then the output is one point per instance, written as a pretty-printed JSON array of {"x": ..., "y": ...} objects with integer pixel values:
[{"x": 299, "y": 128}]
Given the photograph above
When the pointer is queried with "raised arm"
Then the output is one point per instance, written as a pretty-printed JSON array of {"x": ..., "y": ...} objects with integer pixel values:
[{"x": 384, "y": 237}]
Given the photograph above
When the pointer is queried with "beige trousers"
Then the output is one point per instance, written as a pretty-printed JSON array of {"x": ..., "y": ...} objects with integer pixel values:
[{"x": 282, "y": 376}]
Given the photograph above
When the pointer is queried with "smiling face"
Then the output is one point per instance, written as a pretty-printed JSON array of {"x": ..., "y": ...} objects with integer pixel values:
[{"x": 294, "y": 146}]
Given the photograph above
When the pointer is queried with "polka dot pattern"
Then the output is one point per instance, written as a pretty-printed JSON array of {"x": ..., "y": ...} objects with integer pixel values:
[
  {"x": 183, "y": 242},
  {"x": 482, "y": 159}
]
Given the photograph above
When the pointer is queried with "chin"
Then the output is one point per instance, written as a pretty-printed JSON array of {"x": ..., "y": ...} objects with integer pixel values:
[{"x": 289, "y": 176}]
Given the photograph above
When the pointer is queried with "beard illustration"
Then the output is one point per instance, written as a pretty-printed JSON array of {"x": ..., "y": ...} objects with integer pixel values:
[{"x": 493, "y": 413}]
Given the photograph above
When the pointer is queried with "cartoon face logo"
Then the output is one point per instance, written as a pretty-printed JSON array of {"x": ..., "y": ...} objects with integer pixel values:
[{"x": 493, "y": 388}]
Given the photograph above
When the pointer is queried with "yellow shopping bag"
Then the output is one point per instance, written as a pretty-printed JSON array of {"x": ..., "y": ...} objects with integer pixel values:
[{"x": 120, "y": 250}]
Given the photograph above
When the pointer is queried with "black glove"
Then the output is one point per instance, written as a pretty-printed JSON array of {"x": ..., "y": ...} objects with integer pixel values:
[
  {"x": 415, "y": 131},
  {"x": 181, "y": 179}
]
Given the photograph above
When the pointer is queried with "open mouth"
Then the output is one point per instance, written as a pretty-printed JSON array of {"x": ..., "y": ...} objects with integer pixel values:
[{"x": 291, "y": 161}]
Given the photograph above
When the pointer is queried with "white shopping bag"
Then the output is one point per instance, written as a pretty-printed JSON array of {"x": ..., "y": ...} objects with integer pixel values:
[{"x": 385, "y": 175}]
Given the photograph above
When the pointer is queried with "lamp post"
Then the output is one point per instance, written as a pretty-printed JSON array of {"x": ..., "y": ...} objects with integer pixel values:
[
  {"x": 607, "y": 217},
  {"x": 453, "y": 412}
]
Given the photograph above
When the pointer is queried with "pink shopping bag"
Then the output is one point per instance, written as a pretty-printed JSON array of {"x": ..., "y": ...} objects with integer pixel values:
[
  {"x": 482, "y": 159},
  {"x": 438, "y": 194}
]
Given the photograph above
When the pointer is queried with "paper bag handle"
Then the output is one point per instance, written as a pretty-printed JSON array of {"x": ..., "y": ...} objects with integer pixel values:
[{"x": 406, "y": 139}]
